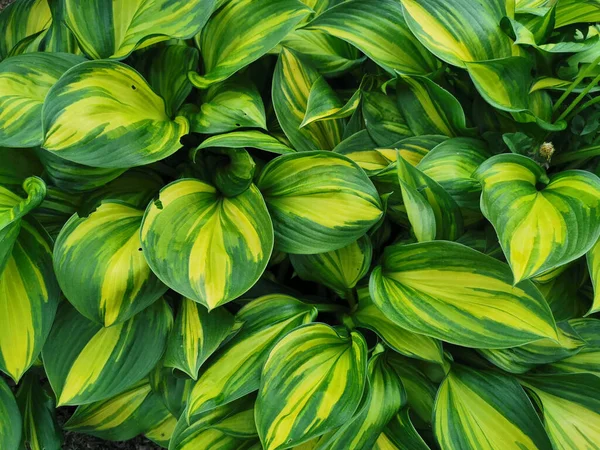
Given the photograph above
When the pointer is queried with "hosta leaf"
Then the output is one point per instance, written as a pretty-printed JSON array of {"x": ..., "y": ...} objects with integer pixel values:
[
  {"x": 311, "y": 383},
  {"x": 250, "y": 138},
  {"x": 234, "y": 370},
  {"x": 40, "y": 428},
  {"x": 451, "y": 292},
  {"x": 593, "y": 261},
  {"x": 194, "y": 239},
  {"x": 233, "y": 104},
  {"x": 587, "y": 360},
  {"x": 121, "y": 417},
  {"x": 383, "y": 397},
  {"x": 114, "y": 29},
  {"x": 104, "y": 114},
  {"x": 475, "y": 410},
  {"x": 448, "y": 29},
  {"x": 570, "y": 405},
  {"x": 338, "y": 269},
  {"x": 401, "y": 434},
  {"x": 29, "y": 294},
  {"x": 166, "y": 69},
  {"x": 563, "y": 293},
  {"x": 75, "y": 177},
  {"x": 330, "y": 56},
  {"x": 324, "y": 104},
  {"x": 10, "y": 418},
  {"x": 383, "y": 119},
  {"x": 334, "y": 206},
  {"x": 86, "y": 363},
  {"x": 521, "y": 359},
  {"x": 196, "y": 335},
  {"x": 293, "y": 80},
  {"x": 21, "y": 20},
  {"x": 58, "y": 37},
  {"x": 379, "y": 30},
  {"x": 100, "y": 267},
  {"x": 242, "y": 31},
  {"x": 13, "y": 207},
  {"x": 574, "y": 11},
  {"x": 55, "y": 210},
  {"x": 230, "y": 170},
  {"x": 228, "y": 427},
  {"x": 161, "y": 431},
  {"x": 172, "y": 390},
  {"x": 410, "y": 344},
  {"x": 24, "y": 82},
  {"x": 539, "y": 228},
  {"x": 430, "y": 109},
  {"x": 432, "y": 212},
  {"x": 452, "y": 164}
]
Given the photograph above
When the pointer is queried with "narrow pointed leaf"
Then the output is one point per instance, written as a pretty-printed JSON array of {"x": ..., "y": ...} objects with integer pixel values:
[
  {"x": 10, "y": 418},
  {"x": 401, "y": 432},
  {"x": 383, "y": 119},
  {"x": 247, "y": 139},
  {"x": 324, "y": 104}
]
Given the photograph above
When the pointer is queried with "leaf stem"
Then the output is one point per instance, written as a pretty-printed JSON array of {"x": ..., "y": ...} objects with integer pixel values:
[
  {"x": 583, "y": 93},
  {"x": 574, "y": 85}
]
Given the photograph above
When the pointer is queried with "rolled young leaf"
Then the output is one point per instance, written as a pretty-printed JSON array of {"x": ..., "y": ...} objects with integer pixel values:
[
  {"x": 104, "y": 114},
  {"x": 475, "y": 410},
  {"x": 235, "y": 369},
  {"x": 293, "y": 80},
  {"x": 40, "y": 427},
  {"x": 10, "y": 418},
  {"x": 338, "y": 269},
  {"x": 384, "y": 396},
  {"x": 24, "y": 82},
  {"x": 379, "y": 30},
  {"x": 242, "y": 31},
  {"x": 114, "y": 29},
  {"x": 195, "y": 239},
  {"x": 539, "y": 228},
  {"x": 100, "y": 267},
  {"x": 570, "y": 404},
  {"x": 13, "y": 207},
  {"x": 451, "y": 292},
  {"x": 334, "y": 206},
  {"x": 86, "y": 363},
  {"x": 196, "y": 335},
  {"x": 311, "y": 383}
]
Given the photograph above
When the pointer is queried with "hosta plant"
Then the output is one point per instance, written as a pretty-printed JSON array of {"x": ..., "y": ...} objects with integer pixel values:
[{"x": 316, "y": 224}]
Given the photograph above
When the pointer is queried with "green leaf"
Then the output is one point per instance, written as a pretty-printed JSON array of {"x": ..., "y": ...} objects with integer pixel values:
[
  {"x": 100, "y": 267},
  {"x": 166, "y": 69},
  {"x": 448, "y": 291},
  {"x": 24, "y": 82},
  {"x": 338, "y": 269},
  {"x": 104, "y": 114},
  {"x": 114, "y": 29},
  {"x": 334, "y": 206},
  {"x": 324, "y": 104},
  {"x": 21, "y": 20},
  {"x": 233, "y": 104},
  {"x": 10, "y": 418},
  {"x": 401, "y": 433},
  {"x": 244, "y": 139},
  {"x": 521, "y": 359},
  {"x": 383, "y": 119},
  {"x": 539, "y": 228},
  {"x": 87, "y": 363},
  {"x": 13, "y": 207},
  {"x": 29, "y": 294},
  {"x": 574, "y": 11},
  {"x": 383, "y": 397},
  {"x": 593, "y": 261},
  {"x": 197, "y": 334},
  {"x": 379, "y": 30},
  {"x": 311, "y": 383},
  {"x": 40, "y": 427},
  {"x": 242, "y": 31},
  {"x": 570, "y": 405},
  {"x": 430, "y": 109},
  {"x": 293, "y": 80},
  {"x": 194, "y": 239},
  {"x": 410, "y": 344},
  {"x": 475, "y": 409},
  {"x": 234, "y": 370},
  {"x": 448, "y": 29}
]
